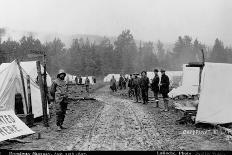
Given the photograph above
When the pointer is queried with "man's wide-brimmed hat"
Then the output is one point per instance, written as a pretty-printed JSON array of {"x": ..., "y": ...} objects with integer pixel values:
[
  {"x": 143, "y": 72},
  {"x": 156, "y": 70},
  {"x": 162, "y": 70},
  {"x": 61, "y": 71}
]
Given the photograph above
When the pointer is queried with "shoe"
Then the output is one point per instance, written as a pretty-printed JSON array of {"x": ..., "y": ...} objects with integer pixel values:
[
  {"x": 58, "y": 128},
  {"x": 62, "y": 127}
]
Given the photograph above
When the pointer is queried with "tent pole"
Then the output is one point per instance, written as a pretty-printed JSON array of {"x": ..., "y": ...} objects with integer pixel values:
[
  {"x": 22, "y": 79},
  {"x": 44, "y": 103},
  {"x": 29, "y": 94}
]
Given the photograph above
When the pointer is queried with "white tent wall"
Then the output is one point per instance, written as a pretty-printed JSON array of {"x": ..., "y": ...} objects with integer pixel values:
[
  {"x": 90, "y": 80},
  {"x": 70, "y": 78},
  {"x": 216, "y": 90},
  {"x": 109, "y": 77},
  {"x": 190, "y": 82},
  {"x": 10, "y": 84},
  {"x": 31, "y": 69}
]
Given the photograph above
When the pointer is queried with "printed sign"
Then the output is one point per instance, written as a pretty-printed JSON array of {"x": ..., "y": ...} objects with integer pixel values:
[{"x": 11, "y": 126}]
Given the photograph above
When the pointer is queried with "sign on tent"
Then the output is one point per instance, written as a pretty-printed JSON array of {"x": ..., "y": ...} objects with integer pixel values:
[{"x": 11, "y": 126}]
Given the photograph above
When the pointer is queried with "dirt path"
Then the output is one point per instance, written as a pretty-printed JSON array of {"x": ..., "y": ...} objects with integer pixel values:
[
  {"x": 116, "y": 123},
  {"x": 118, "y": 126}
]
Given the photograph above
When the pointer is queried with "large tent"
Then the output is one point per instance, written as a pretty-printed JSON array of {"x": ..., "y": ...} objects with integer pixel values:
[
  {"x": 11, "y": 84},
  {"x": 215, "y": 98},
  {"x": 30, "y": 68},
  {"x": 109, "y": 77},
  {"x": 190, "y": 82}
]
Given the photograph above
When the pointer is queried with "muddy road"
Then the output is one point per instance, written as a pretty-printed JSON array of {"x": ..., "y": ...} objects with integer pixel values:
[{"x": 116, "y": 123}]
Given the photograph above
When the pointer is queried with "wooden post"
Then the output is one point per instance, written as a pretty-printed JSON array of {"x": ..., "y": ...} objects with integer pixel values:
[
  {"x": 23, "y": 84},
  {"x": 45, "y": 82},
  {"x": 30, "y": 116},
  {"x": 44, "y": 103},
  {"x": 201, "y": 69},
  {"x": 29, "y": 95}
]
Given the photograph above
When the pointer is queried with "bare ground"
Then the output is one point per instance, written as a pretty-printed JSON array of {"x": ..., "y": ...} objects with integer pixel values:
[{"x": 114, "y": 122}]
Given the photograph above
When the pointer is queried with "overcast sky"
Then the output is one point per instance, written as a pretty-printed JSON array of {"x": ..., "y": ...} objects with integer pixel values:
[{"x": 147, "y": 19}]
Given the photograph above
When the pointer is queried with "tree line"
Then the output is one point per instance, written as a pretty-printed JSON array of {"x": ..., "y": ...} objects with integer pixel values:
[{"x": 121, "y": 56}]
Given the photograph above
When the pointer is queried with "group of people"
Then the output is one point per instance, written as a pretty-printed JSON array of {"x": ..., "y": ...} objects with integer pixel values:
[
  {"x": 121, "y": 83},
  {"x": 87, "y": 82},
  {"x": 139, "y": 87}
]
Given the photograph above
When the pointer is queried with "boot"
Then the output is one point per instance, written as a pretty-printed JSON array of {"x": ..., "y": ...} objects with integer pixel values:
[
  {"x": 166, "y": 105},
  {"x": 157, "y": 103}
]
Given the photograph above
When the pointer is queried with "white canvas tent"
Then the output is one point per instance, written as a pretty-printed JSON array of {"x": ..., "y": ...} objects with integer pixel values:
[
  {"x": 30, "y": 68},
  {"x": 10, "y": 84},
  {"x": 109, "y": 76},
  {"x": 70, "y": 78},
  {"x": 90, "y": 80},
  {"x": 216, "y": 91},
  {"x": 190, "y": 82}
]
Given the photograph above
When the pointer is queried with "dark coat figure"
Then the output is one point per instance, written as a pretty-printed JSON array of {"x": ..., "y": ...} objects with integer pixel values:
[
  {"x": 120, "y": 82},
  {"x": 155, "y": 87},
  {"x": 130, "y": 86},
  {"x": 144, "y": 85},
  {"x": 87, "y": 83},
  {"x": 164, "y": 85},
  {"x": 136, "y": 87},
  {"x": 113, "y": 86},
  {"x": 76, "y": 80},
  {"x": 124, "y": 82},
  {"x": 155, "y": 84},
  {"x": 80, "y": 80},
  {"x": 164, "y": 88}
]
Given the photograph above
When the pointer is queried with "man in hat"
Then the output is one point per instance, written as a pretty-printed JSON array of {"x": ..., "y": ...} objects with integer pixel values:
[
  {"x": 144, "y": 85},
  {"x": 59, "y": 91},
  {"x": 120, "y": 82},
  {"x": 113, "y": 86},
  {"x": 87, "y": 83},
  {"x": 164, "y": 88},
  {"x": 155, "y": 86}
]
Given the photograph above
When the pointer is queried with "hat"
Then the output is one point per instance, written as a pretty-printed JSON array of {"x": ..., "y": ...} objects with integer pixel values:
[
  {"x": 61, "y": 71},
  {"x": 156, "y": 70},
  {"x": 143, "y": 72},
  {"x": 162, "y": 70}
]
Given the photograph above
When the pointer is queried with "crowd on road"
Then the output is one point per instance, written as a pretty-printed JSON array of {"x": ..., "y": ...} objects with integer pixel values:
[{"x": 139, "y": 84}]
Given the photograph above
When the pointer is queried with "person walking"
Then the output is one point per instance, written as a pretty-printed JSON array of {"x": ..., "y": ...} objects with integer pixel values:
[
  {"x": 120, "y": 82},
  {"x": 80, "y": 80},
  {"x": 164, "y": 88},
  {"x": 113, "y": 85},
  {"x": 155, "y": 86},
  {"x": 59, "y": 93},
  {"x": 87, "y": 83},
  {"x": 144, "y": 85}
]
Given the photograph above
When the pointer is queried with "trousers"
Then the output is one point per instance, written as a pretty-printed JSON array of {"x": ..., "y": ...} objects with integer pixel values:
[
  {"x": 61, "y": 108},
  {"x": 144, "y": 95}
]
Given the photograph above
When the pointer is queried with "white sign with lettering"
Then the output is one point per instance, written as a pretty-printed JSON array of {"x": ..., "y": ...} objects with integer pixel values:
[{"x": 11, "y": 126}]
